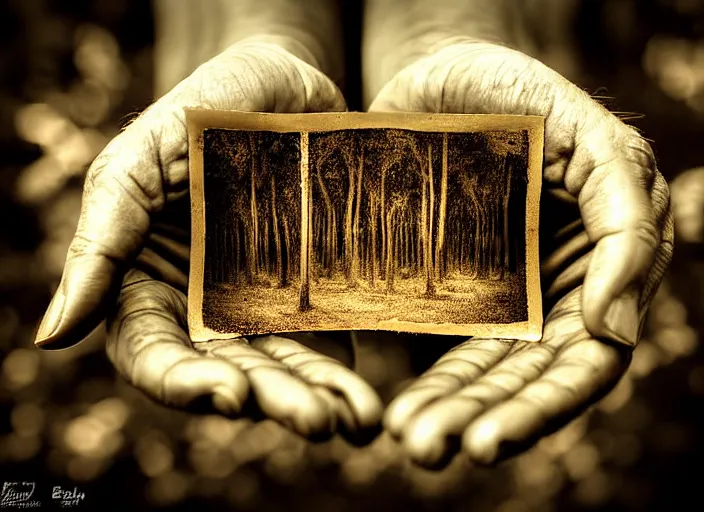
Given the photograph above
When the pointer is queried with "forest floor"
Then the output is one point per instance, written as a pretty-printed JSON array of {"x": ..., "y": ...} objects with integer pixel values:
[{"x": 458, "y": 299}]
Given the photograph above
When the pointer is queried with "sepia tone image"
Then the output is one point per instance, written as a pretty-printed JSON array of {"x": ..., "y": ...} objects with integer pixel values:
[
  {"x": 78, "y": 419},
  {"x": 366, "y": 228}
]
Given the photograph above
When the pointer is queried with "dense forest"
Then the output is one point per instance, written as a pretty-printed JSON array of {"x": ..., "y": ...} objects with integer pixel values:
[
  {"x": 253, "y": 189},
  {"x": 395, "y": 202},
  {"x": 367, "y": 209}
]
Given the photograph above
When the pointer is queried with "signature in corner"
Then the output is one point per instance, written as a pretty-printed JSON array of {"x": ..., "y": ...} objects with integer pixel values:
[
  {"x": 66, "y": 497},
  {"x": 18, "y": 494}
]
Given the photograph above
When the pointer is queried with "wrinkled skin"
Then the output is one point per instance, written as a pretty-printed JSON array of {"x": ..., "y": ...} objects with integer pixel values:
[
  {"x": 606, "y": 237},
  {"x": 608, "y": 234},
  {"x": 135, "y": 225}
]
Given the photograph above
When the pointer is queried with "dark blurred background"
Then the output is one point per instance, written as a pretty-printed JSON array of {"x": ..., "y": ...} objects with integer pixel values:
[{"x": 73, "y": 72}]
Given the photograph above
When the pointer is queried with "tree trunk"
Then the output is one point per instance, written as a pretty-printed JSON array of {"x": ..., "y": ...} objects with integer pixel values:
[
  {"x": 428, "y": 250},
  {"x": 420, "y": 238},
  {"x": 267, "y": 264},
  {"x": 304, "y": 294},
  {"x": 474, "y": 255},
  {"x": 288, "y": 260},
  {"x": 238, "y": 248},
  {"x": 479, "y": 260},
  {"x": 383, "y": 223},
  {"x": 228, "y": 252},
  {"x": 397, "y": 242},
  {"x": 424, "y": 231},
  {"x": 355, "y": 231},
  {"x": 277, "y": 237},
  {"x": 327, "y": 246},
  {"x": 440, "y": 247},
  {"x": 372, "y": 262},
  {"x": 390, "y": 256},
  {"x": 348, "y": 221},
  {"x": 249, "y": 253},
  {"x": 464, "y": 239},
  {"x": 431, "y": 207},
  {"x": 253, "y": 202},
  {"x": 507, "y": 241},
  {"x": 334, "y": 235}
]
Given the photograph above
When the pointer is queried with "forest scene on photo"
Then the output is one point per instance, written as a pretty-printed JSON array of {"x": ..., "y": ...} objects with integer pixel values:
[{"x": 354, "y": 228}]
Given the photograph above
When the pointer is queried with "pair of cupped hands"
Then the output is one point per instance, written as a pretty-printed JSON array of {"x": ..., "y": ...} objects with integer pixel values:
[{"x": 605, "y": 241}]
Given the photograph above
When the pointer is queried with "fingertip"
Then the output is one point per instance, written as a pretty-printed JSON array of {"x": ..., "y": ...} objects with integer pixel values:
[
  {"x": 316, "y": 420},
  {"x": 611, "y": 291},
  {"x": 480, "y": 441},
  {"x": 396, "y": 416},
  {"x": 426, "y": 443},
  {"x": 368, "y": 410},
  {"x": 194, "y": 380},
  {"x": 348, "y": 423},
  {"x": 62, "y": 338},
  {"x": 226, "y": 400},
  {"x": 291, "y": 402},
  {"x": 79, "y": 304},
  {"x": 401, "y": 409}
]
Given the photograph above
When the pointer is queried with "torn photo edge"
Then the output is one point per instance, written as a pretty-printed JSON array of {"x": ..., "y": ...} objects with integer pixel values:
[{"x": 199, "y": 120}]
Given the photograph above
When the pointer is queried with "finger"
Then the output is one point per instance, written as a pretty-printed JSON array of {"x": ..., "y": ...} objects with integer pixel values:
[
  {"x": 432, "y": 436},
  {"x": 321, "y": 371},
  {"x": 144, "y": 167},
  {"x": 276, "y": 393},
  {"x": 458, "y": 367},
  {"x": 148, "y": 346},
  {"x": 582, "y": 371},
  {"x": 347, "y": 424},
  {"x": 620, "y": 217},
  {"x": 569, "y": 252}
]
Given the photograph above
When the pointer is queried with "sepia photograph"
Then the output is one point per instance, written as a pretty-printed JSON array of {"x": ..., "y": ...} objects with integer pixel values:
[
  {"x": 384, "y": 178},
  {"x": 357, "y": 226}
]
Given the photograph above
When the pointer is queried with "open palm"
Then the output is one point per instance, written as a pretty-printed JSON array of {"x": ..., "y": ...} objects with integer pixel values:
[
  {"x": 132, "y": 249},
  {"x": 605, "y": 241}
]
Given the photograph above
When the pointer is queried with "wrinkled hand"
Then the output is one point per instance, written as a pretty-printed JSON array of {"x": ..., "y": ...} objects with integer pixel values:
[
  {"x": 606, "y": 239},
  {"x": 135, "y": 224}
]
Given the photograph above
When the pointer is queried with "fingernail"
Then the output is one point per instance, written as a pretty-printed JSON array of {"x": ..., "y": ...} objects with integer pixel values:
[
  {"x": 225, "y": 401},
  {"x": 52, "y": 319},
  {"x": 622, "y": 319}
]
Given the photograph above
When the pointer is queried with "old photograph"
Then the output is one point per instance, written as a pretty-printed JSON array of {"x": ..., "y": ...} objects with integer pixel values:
[{"x": 356, "y": 224}]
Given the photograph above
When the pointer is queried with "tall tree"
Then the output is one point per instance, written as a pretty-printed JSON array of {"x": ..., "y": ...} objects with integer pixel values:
[
  {"x": 390, "y": 256},
  {"x": 372, "y": 261},
  {"x": 382, "y": 214},
  {"x": 328, "y": 233},
  {"x": 254, "y": 225},
  {"x": 277, "y": 237},
  {"x": 354, "y": 274},
  {"x": 429, "y": 283},
  {"x": 440, "y": 245},
  {"x": 349, "y": 213},
  {"x": 289, "y": 249},
  {"x": 304, "y": 295}
]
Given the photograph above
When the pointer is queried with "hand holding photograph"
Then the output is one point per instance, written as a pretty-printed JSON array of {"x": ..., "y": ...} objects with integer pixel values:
[{"x": 421, "y": 223}]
